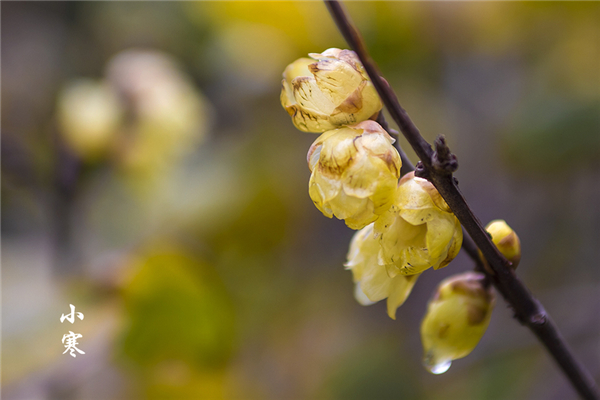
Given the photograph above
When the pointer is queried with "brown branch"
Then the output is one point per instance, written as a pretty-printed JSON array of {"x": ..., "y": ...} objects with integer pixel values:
[
  {"x": 407, "y": 166},
  {"x": 438, "y": 166}
]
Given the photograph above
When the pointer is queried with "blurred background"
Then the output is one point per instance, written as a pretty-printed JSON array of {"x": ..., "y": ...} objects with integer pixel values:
[{"x": 151, "y": 178}]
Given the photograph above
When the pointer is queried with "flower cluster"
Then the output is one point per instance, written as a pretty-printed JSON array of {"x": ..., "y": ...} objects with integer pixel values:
[
  {"x": 142, "y": 116},
  {"x": 404, "y": 225}
]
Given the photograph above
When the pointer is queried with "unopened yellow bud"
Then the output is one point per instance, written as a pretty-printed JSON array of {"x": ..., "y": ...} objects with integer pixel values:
[
  {"x": 372, "y": 280},
  {"x": 355, "y": 172},
  {"x": 330, "y": 90},
  {"x": 419, "y": 231},
  {"x": 506, "y": 240},
  {"x": 89, "y": 114},
  {"x": 457, "y": 317}
]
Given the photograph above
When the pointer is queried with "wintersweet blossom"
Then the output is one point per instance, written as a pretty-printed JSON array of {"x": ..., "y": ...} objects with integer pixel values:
[
  {"x": 329, "y": 90},
  {"x": 355, "y": 172},
  {"x": 418, "y": 231},
  {"x": 372, "y": 282}
]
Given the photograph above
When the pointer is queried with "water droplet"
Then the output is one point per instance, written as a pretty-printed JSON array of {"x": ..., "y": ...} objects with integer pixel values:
[{"x": 440, "y": 368}]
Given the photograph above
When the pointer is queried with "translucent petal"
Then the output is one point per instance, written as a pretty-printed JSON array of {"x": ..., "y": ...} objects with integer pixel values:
[
  {"x": 419, "y": 216},
  {"x": 298, "y": 68},
  {"x": 362, "y": 298},
  {"x": 455, "y": 245},
  {"x": 336, "y": 79},
  {"x": 413, "y": 260},
  {"x": 398, "y": 237},
  {"x": 400, "y": 288},
  {"x": 361, "y": 220},
  {"x": 329, "y": 188},
  {"x": 411, "y": 196},
  {"x": 375, "y": 282},
  {"x": 363, "y": 252},
  {"x": 356, "y": 212},
  {"x": 333, "y": 52},
  {"x": 310, "y": 98},
  {"x": 309, "y": 121},
  {"x": 363, "y": 177},
  {"x": 313, "y": 156},
  {"x": 344, "y": 114},
  {"x": 384, "y": 222},
  {"x": 371, "y": 100},
  {"x": 376, "y": 142},
  {"x": 440, "y": 232},
  {"x": 287, "y": 97},
  {"x": 339, "y": 150}
]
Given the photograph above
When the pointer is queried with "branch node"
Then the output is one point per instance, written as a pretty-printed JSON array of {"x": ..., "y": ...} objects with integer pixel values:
[
  {"x": 421, "y": 171},
  {"x": 443, "y": 160},
  {"x": 538, "y": 319}
]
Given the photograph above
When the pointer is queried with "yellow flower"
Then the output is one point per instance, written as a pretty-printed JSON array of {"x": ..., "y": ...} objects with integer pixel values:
[
  {"x": 418, "y": 231},
  {"x": 168, "y": 115},
  {"x": 456, "y": 319},
  {"x": 371, "y": 279},
  {"x": 330, "y": 92},
  {"x": 89, "y": 114},
  {"x": 355, "y": 172},
  {"x": 506, "y": 240}
]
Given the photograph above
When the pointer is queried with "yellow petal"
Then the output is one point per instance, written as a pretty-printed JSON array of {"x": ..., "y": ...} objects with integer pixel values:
[
  {"x": 362, "y": 298},
  {"x": 338, "y": 151},
  {"x": 356, "y": 212},
  {"x": 333, "y": 52},
  {"x": 363, "y": 252},
  {"x": 310, "y": 98},
  {"x": 287, "y": 97},
  {"x": 400, "y": 288},
  {"x": 455, "y": 245},
  {"x": 309, "y": 121},
  {"x": 412, "y": 196},
  {"x": 336, "y": 79},
  {"x": 375, "y": 282},
  {"x": 363, "y": 177},
  {"x": 329, "y": 188},
  {"x": 398, "y": 236},
  {"x": 300, "y": 67},
  {"x": 384, "y": 222},
  {"x": 440, "y": 231}
]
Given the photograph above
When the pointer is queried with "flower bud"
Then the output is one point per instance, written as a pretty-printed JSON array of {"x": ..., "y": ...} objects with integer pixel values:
[
  {"x": 418, "y": 231},
  {"x": 372, "y": 280},
  {"x": 355, "y": 171},
  {"x": 457, "y": 317},
  {"x": 506, "y": 240},
  {"x": 331, "y": 92},
  {"x": 89, "y": 114}
]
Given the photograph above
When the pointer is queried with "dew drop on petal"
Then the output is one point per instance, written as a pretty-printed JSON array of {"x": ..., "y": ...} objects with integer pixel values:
[{"x": 439, "y": 368}]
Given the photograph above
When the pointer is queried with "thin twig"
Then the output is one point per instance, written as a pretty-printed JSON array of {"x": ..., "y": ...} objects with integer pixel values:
[
  {"x": 407, "y": 166},
  {"x": 438, "y": 167}
]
